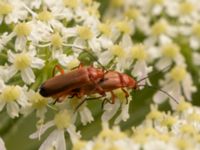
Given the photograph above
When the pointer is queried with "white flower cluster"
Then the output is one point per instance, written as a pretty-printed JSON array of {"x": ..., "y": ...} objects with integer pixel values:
[
  {"x": 139, "y": 36},
  {"x": 160, "y": 130}
]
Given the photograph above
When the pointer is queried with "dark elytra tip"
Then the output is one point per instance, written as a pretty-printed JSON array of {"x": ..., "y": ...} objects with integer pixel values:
[{"x": 43, "y": 91}]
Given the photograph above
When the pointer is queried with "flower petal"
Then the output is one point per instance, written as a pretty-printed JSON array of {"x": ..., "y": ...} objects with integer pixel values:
[
  {"x": 74, "y": 136},
  {"x": 11, "y": 72},
  {"x": 53, "y": 141},
  {"x": 110, "y": 111},
  {"x": 20, "y": 43},
  {"x": 2, "y": 145},
  {"x": 28, "y": 75},
  {"x": 41, "y": 130},
  {"x": 37, "y": 63},
  {"x": 12, "y": 109},
  {"x": 86, "y": 116}
]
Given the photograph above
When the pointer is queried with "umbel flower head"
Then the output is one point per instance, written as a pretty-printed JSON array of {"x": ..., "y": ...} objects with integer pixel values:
[
  {"x": 154, "y": 42},
  {"x": 160, "y": 130}
]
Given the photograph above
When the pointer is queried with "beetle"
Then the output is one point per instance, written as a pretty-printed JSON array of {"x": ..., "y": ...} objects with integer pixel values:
[
  {"x": 61, "y": 85},
  {"x": 112, "y": 80}
]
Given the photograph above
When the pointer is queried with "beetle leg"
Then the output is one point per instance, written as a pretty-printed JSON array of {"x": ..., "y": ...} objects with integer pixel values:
[
  {"x": 86, "y": 99},
  {"x": 104, "y": 101},
  {"x": 79, "y": 66},
  {"x": 71, "y": 96},
  {"x": 79, "y": 105},
  {"x": 59, "y": 69},
  {"x": 126, "y": 95},
  {"x": 59, "y": 99},
  {"x": 55, "y": 101},
  {"x": 113, "y": 97}
]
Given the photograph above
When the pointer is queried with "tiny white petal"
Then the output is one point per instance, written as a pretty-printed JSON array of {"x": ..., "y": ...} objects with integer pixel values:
[
  {"x": 157, "y": 10},
  {"x": 94, "y": 44},
  {"x": 37, "y": 63},
  {"x": 187, "y": 87},
  {"x": 28, "y": 75},
  {"x": 105, "y": 42},
  {"x": 41, "y": 130},
  {"x": 124, "y": 115},
  {"x": 11, "y": 71},
  {"x": 74, "y": 136},
  {"x": 163, "y": 62},
  {"x": 11, "y": 56},
  {"x": 57, "y": 136},
  {"x": 159, "y": 97},
  {"x": 61, "y": 145},
  {"x": 105, "y": 57},
  {"x": 2, "y": 85},
  {"x": 2, "y": 145},
  {"x": 12, "y": 109},
  {"x": 22, "y": 100},
  {"x": 86, "y": 116},
  {"x": 194, "y": 43},
  {"x": 20, "y": 43},
  {"x": 126, "y": 41},
  {"x": 109, "y": 111}
]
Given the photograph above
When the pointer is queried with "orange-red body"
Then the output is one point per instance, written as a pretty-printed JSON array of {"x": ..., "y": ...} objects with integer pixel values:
[
  {"x": 112, "y": 80},
  {"x": 61, "y": 85},
  {"x": 85, "y": 81},
  {"x": 88, "y": 80}
]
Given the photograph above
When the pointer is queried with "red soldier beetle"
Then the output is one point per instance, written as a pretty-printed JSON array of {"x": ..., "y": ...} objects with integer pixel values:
[
  {"x": 61, "y": 85},
  {"x": 90, "y": 80},
  {"x": 113, "y": 80}
]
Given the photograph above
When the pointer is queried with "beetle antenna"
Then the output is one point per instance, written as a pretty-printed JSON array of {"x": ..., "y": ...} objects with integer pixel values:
[
  {"x": 85, "y": 49},
  {"x": 163, "y": 91},
  {"x": 160, "y": 71}
]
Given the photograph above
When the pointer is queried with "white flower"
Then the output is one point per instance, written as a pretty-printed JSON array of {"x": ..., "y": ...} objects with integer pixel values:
[
  {"x": 161, "y": 28},
  {"x": 87, "y": 35},
  {"x": 169, "y": 52},
  {"x": 188, "y": 11},
  {"x": 22, "y": 32},
  {"x": 38, "y": 103},
  {"x": 13, "y": 11},
  {"x": 24, "y": 62},
  {"x": 176, "y": 79},
  {"x": 63, "y": 121},
  {"x": 12, "y": 97}
]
